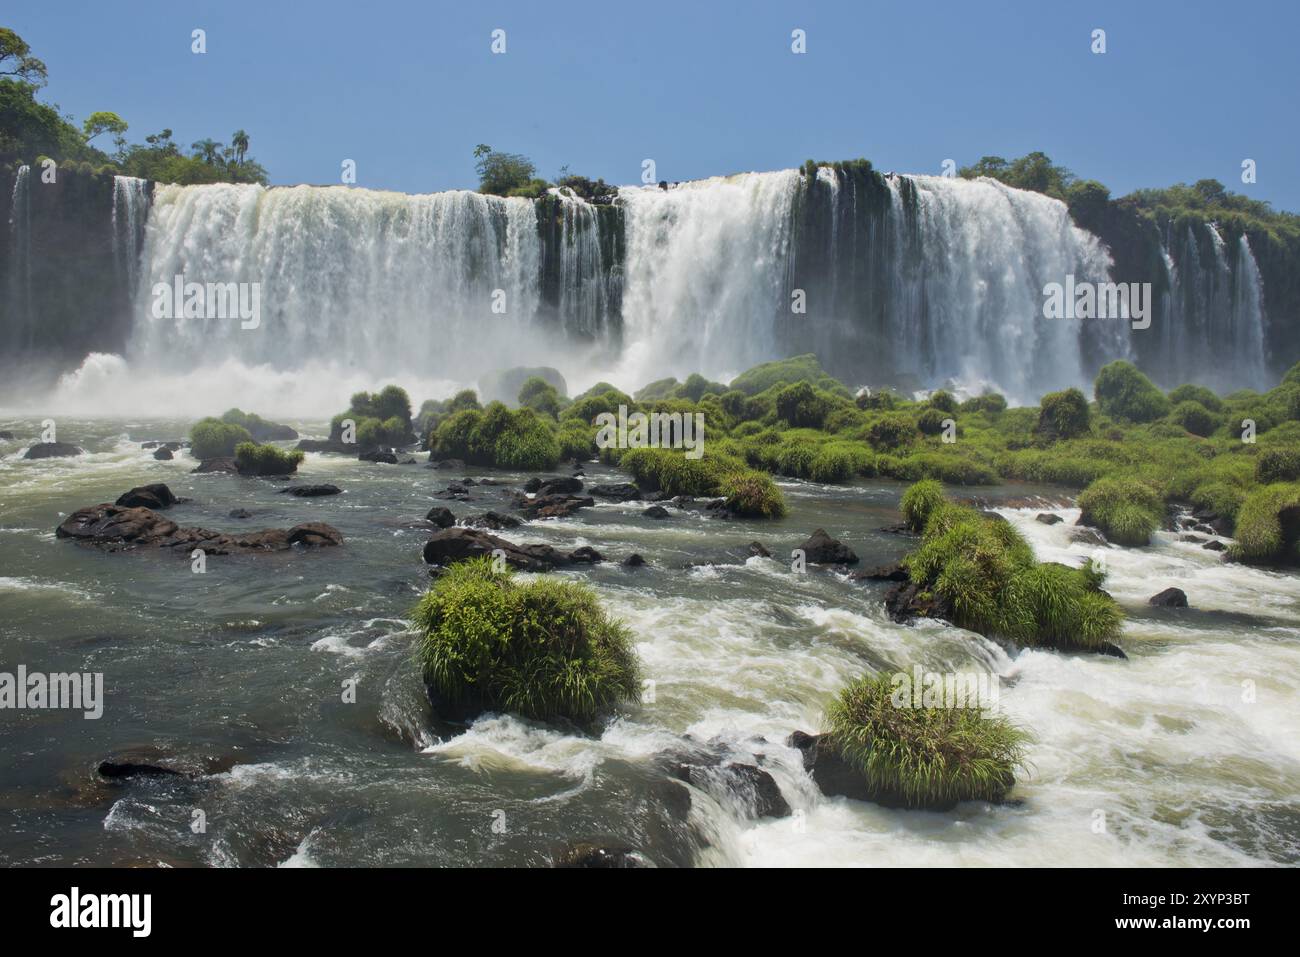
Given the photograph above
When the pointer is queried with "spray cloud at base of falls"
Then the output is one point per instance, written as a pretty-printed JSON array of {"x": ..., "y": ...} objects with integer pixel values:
[{"x": 910, "y": 281}]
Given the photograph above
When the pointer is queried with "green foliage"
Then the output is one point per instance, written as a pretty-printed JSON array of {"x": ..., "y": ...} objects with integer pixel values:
[
  {"x": 985, "y": 570},
  {"x": 923, "y": 757},
  {"x": 1125, "y": 393},
  {"x": 993, "y": 403},
  {"x": 920, "y": 501},
  {"x": 891, "y": 431},
  {"x": 1126, "y": 510},
  {"x": 587, "y": 407},
  {"x": 383, "y": 419},
  {"x": 1277, "y": 465},
  {"x": 543, "y": 650},
  {"x": 1268, "y": 526},
  {"x": 1196, "y": 393},
  {"x": 931, "y": 421},
  {"x": 1195, "y": 418},
  {"x": 254, "y": 459},
  {"x": 213, "y": 439},
  {"x": 540, "y": 396},
  {"x": 1034, "y": 171},
  {"x": 499, "y": 438},
  {"x": 803, "y": 368},
  {"x": 941, "y": 400},
  {"x": 1064, "y": 415},
  {"x": 505, "y": 174},
  {"x": 802, "y": 406},
  {"x": 748, "y": 493},
  {"x": 259, "y": 428},
  {"x": 881, "y": 399}
]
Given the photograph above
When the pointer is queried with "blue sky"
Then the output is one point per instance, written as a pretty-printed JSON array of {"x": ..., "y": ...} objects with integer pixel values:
[{"x": 1186, "y": 90}]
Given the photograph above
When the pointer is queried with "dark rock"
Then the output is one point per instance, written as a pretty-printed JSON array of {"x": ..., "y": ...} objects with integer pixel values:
[
  {"x": 1048, "y": 518},
  {"x": 6, "y": 435},
  {"x": 533, "y": 484},
  {"x": 618, "y": 491},
  {"x": 882, "y": 573},
  {"x": 441, "y": 516},
  {"x": 311, "y": 491},
  {"x": 905, "y": 601},
  {"x": 493, "y": 520},
  {"x": 217, "y": 465},
  {"x": 384, "y": 456},
  {"x": 452, "y": 465},
  {"x": 585, "y": 555},
  {"x": 128, "y": 769},
  {"x": 656, "y": 511},
  {"x": 557, "y": 486},
  {"x": 902, "y": 528},
  {"x": 633, "y": 561},
  {"x": 164, "y": 455},
  {"x": 1088, "y": 536},
  {"x": 758, "y": 550},
  {"x": 456, "y": 544},
  {"x": 156, "y": 495},
  {"x": 1169, "y": 598},
  {"x": 551, "y": 506},
  {"x": 756, "y": 789},
  {"x": 240, "y": 513},
  {"x": 52, "y": 450},
  {"x": 821, "y": 549},
  {"x": 1215, "y": 546},
  {"x": 114, "y": 528},
  {"x": 598, "y": 856},
  {"x": 1191, "y": 538},
  {"x": 467, "y": 482},
  {"x": 835, "y": 777}
]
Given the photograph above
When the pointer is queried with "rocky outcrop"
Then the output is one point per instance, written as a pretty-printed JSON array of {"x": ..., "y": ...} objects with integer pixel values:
[
  {"x": 493, "y": 520},
  {"x": 311, "y": 491},
  {"x": 148, "y": 496},
  {"x": 457, "y": 544},
  {"x": 53, "y": 450},
  {"x": 115, "y": 528},
  {"x": 618, "y": 491},
  {"x": 1169, "y": 598},
  {"x": 551, "y": 506},
  {"x": 821, "y": 549}
]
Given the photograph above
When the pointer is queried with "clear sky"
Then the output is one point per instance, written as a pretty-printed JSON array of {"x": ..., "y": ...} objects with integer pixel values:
[{"x": 1185, "y": 90}]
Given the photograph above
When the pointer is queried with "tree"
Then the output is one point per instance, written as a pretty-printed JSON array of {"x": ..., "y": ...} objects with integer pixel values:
[
  {"x": 500, "y": 173},
  {"x": 16, "y": 59},
  {"x": 239, "y": 140},
  {"x": 206, "y": 150},
  {"x": 103, "y": 121}
]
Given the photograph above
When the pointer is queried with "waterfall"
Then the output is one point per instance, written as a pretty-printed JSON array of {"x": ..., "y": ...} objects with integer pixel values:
[
  {"x": 909, "y": 281},
  {"x": 19, "y": 305},
  {"x": 130, "y": 209}
]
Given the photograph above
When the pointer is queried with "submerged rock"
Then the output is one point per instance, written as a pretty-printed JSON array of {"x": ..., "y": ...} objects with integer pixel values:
[
  {"x": 156, "y": 495},
  {"x": 384, "y": 456},
  {"x": 585, "y": 855},
  {"x": 164, "y": 455},
  {"x": 633, "y": 561},
  {"x": 457, "y": 544},
  {"x": 618, "y": 491},
  {"x": 52, "y": 450},
  {"x": 1169, "y": 598},
  {"x": 551, "y": 506},
  {"x": 222, "y": 464},
  {"x": 758, "y": 550},
  {"x": 493, "y": 520},
  {"x": 882, "y": 573},
  {"x": 128, "y": 769},
  {"x": 821, "y": 549},
  {"x": 1215, "y": 546},
  {"x": 311, "y": 491},
  {"x": 114, "y": 528},
  {"x": 656, "y": 511},
  {"x": 1048, "y": 518}
]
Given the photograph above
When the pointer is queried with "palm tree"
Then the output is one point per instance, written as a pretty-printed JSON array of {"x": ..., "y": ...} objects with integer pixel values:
[
  {"x": 239, "y": 140},
  {"x": 207, "y": 150}
]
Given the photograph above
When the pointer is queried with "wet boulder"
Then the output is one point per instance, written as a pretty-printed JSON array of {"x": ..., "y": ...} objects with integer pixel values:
[
  {"x": 53, "y": 450},
  {"x": 156, "y": 495},
  {"x": 1169, "y": 598},
  {"x": 821, "y": 549},
  {"x": 441, "y": 516},
  {"x": 311, "y": 491}
]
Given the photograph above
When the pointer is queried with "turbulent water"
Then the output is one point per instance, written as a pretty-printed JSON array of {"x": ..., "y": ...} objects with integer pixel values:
[
  {"x": 913, "y": 281},
  {"x": 238, "y": 672}
]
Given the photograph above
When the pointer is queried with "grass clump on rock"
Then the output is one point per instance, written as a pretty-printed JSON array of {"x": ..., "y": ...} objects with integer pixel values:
[
  {"x": 211, "y": 438},
  {"x": 1125, "y": 393},
  {"x": 254, "y": 459},
  {"x": 923, "y": 757},
  {"x": 984, "y": 575},
  {"x": 1268, "y": 526},
  {"x": 545, "y": 649},
  {"x": 748, "y": 492},
  {"x": 499, "y": 438},
  {"x": 1126, "y": 510}
]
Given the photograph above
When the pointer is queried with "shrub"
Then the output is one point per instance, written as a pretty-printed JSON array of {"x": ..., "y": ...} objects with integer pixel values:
[
  {"x": 540, "y": 396},
  {"x": 1125, "y": 509},
  {"x": 1196, "y": 393},
  {"x": 499, "y": 438},
  {"x": 747, "y": 492},
  {"x": 991, "y": 402},
  {"x": 1125, "y": 393},
  {"x": 587, "y": 407},
  {"x": 920, "y": 501},
  {"x": 1220, "y": 498},
  {"x": 923, "y": 757},
  {"x": 1277, "y": 465},
  {"x": 1195, "y": 418},
  {"x": 985, "y": 571},
  {"x": 891, "y": 431},
  {"x": 752, "y": 494},
  {"x": 943, "y": 401},
  {"x": 802, "y": 406},
  {"x": 1063, "y": 415},
  {"x": 803, "y": 368},
  {"x": 543, "y": 650},
  {"x": 259, "y": 428},
  {"x": 931, "y": 421},
  {"x": 254, "y": 459},
  {"x": 1268, "y": 526},
  {"x": 881, "y": 399},
  {"x": 211, "y": 438}
]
